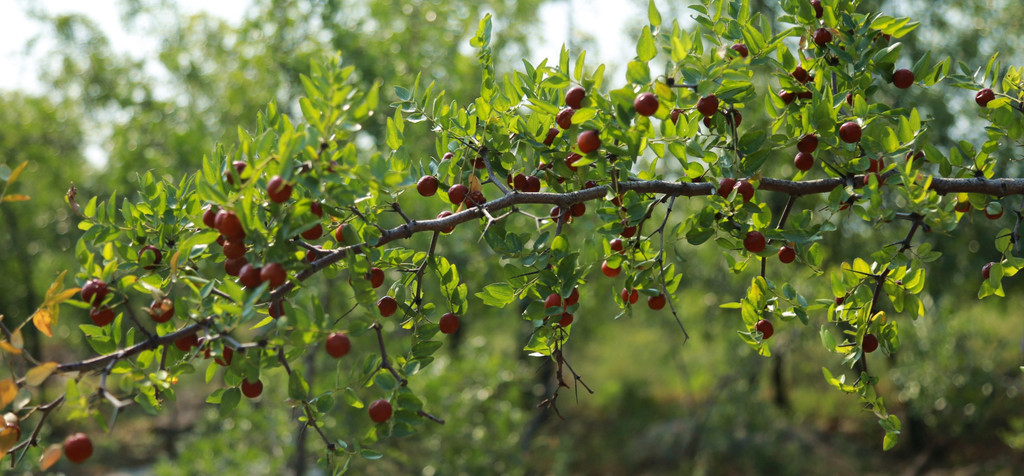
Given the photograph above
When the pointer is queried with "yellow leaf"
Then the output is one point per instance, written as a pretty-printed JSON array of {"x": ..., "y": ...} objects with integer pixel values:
[
  {"x": 56, "y": 287},
  {"x": 39, "y": 373},
  {"x": 8, "y": 438},
  {"x": 16, "y": 197},
  {"x": 50, "y": 457},
  {"x": 43, "y": 321},
  {"x": 14, "y": 175},
  {"x": 64, "y": 295},
  {"x": 174, "y": 262},
  {"x": 8, "y": 391},
  {"x": 474, "y": 184},
  {"x": 9, "y": 348},
  {"x": 17, "y": 340}
]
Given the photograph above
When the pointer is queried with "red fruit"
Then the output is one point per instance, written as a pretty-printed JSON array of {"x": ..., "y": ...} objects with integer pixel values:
[
  {"x": 787, "y": 254},
  {"x": 822, "y": 36},
  {"x": 993, "y": 215},
  {"x": 765, "y": 328},
  {"x": 387, "y": 306},
  {"x": 589, "y": 184},
  {"x": 564, "y": 118},
  {"x": 708, "y": 105},
  {"x": 741, "y": 49},
  {"x": 233, "y": 249},
  {"x": 609, "y": 271},
  {"x": 558, "y": 214},
  {"x": 870, "y": 343},
  {"x": 616, "y": 245},
  {"x": 571, "y": 159},
  {"x": 588, "y": 141},
  {"x": 656, "y": 302},
  {"x": 565, "y": 320},
  {"x": 210, "y": 217},
  {"x": 229, "y": 225},
  {"x": 745, "y": 190},
  {"x": 875, "y": 165},
  {"x": 317, "y": 209},
  {"x": 445, "y": 214},
  {"x": 274, "y": 273},
  {"x": 550, "y": 138},
  {"x": 733, "y": 116},
  {"x": 519, "y": 182},
  {"x": 77, "y": 447},
  {"x": 94, "y": 291},
  {"x": 800, "y": 74},
  {"x": 840, "y": 299},
  {"x": 574, "y": 97},
  {"x": 787, "y": 96},
  {"x": 902, "y": 78},
  {"x": 629, "y": 296},
  {"x": 233, "y": 267},
  {"x": 807, "y": 144},
  {"x": 447, "y": 156},
  {"x": 154, "y": 260},
  {"x": 725, "y": 187},
  {"x": 478, "y": 163},
  {"x": 552, "y": 300},
  {"x": 449, "y": 323},
  {"x": 186, "y": 343},
  {"x": 225, "y": 358},
  {"x": 754, "y": 242},
  {"x": 239, "y": 167},
  {"x": 984, "y": 96},
  {"x": 850, "y": 132},
  {"x": 628, "y": 231},
  {"x": 380, "y": 411},
  {"x": 573, "y": 298},
  {"x": 162, "y": 310},
  {"x": 457, "y": 193},
  {"x": 250, "y": 276},
  {"x": 818, "y": 11},
  {"x": 276, "y": 309},
  {"x": 578, "y": 209},
  {"x": 646, "y": 104},
  {"x": 532, "y": 184},
  {"x": 101, "y": 316},
  {"x": 314, "y": 233},
  {"x": 804, "y": 95},
  {"x": 427, "y": 185},
  {"x": 338, "y": 345},
  {"x": 985, "y": 270},
  {"x": 339, "y": 233},
  {"x": 376, "y": 277},
  {"x": 674, "y": 115},
  {"x": 277, "y": 190},
  {"x": 252, "y": 389},
  {"x": 849, "y": 98},
  {"x": 476, "y": 197},
  {"x": 803, "y": 161}
]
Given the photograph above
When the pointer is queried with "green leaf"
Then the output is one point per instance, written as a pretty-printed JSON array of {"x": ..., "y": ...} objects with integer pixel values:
[
  {"x": 229, "y": 400},
  {"x": 653, "y": 16},
  {"x": 298, "y": 389},
  {"x": 645, "y": 47},
  {"x": 497, "y": 294}
]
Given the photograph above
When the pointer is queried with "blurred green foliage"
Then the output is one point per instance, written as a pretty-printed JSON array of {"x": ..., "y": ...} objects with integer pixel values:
[{"x": 662, "y": 406}]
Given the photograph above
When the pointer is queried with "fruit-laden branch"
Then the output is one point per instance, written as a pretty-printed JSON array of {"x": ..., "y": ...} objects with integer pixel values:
[
  {"x": 149, "y": 344},
  {"x": 994, "y": 187}
]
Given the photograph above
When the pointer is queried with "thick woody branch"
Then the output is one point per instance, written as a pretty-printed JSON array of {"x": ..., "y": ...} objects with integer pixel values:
[
  {"x": 994, "y": 187},
  {"x": 103, "y": 360}
]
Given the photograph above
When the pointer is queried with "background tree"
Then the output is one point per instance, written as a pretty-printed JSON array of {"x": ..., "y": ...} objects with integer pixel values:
[{"x": 272, "y": 136}]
